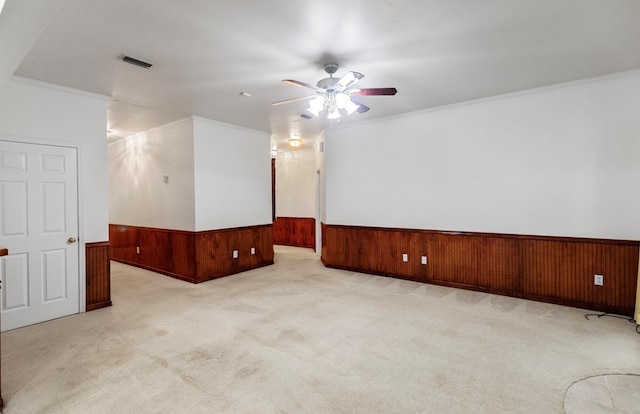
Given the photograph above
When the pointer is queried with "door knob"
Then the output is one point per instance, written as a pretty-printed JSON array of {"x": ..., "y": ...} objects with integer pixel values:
[{"x": 71, "y": 240}]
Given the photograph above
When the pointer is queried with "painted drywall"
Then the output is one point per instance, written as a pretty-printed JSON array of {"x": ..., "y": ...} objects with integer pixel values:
[
  {"x": 296, "y": 183},
  {"x": 41, "y": 113},
  {"x": 557, "y": 161},
  {"x": 321, "y": 190},
  {"x": 232, "y": 176},
  {"x": 139, "y": 193},
  {"x": 21, "y": 24}
]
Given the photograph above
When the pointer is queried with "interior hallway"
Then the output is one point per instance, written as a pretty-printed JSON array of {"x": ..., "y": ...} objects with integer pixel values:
[{"x": 296, "y": 337}]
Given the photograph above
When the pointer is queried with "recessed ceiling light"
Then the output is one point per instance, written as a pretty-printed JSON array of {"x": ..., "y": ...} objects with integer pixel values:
[{"x": 247, "y": 94}]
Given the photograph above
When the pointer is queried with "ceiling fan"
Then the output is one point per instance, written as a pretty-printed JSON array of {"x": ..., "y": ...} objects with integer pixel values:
[{"x": 335, "y": 94}]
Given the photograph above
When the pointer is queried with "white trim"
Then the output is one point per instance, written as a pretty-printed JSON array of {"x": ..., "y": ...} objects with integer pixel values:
[
  {"x": 179, "y": 121},
  {"x": 232, "y": 126},
  {"x": 200, "y": 119},
  {"x": 536, "y": 90},
  {"x": 318, "y": 212},
  {"x": 507, "y": 95},
  {"x": 27, "y": 139},
  {"x": 61, "y": 88},
  {"x": 82, "y": 289},
  {"x": 150, "y": 130}
]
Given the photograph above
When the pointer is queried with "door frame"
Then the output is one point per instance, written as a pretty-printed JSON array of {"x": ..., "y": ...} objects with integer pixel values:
[
  {"x": 318, "y": 213},
  {"x": 82, "y": 276}
]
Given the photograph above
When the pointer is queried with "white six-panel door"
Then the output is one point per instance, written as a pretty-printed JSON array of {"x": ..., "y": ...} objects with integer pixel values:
[{"x": 39, "y": 226}]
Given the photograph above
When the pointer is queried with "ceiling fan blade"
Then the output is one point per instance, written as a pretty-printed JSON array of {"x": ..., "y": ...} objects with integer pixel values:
[
  {"x": 298, "y": 83},
  {"x": 286, "y": 101},
  {"x": 347, "y": 80},
  {"x": 362, "y": 108},
  {"x": 373, "y": 91}
]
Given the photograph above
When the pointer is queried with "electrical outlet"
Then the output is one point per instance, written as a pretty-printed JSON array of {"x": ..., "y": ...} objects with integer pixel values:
[
  {"x": 253, "y": 250},
  {"x": 424, "y": 260},
  {"x": 405, "y": 257},
  {"x": 598, "y": 280},
  {"x": 235, "y": 254}
]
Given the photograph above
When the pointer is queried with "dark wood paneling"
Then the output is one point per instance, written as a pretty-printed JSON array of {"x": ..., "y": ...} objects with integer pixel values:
[
  {"x": 563, "y": 272},
  {"x": 323, "y": 241},
  {"x": 98, "y": 273},
  {"x": 3, "y": 252},
  {"x": 124, "y": 241},
  {"x": 192, "y": 256},
  {"x": 170, "y": 252},
  {"x": 295, "y": 231},
  {"x": 214, "y": 251},
  {"x": 551, "y": 269},
  {"x": 485, "y": 262}
]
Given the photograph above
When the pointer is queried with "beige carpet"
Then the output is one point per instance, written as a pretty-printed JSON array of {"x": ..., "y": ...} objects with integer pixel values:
[
  {"x": 604, "y": 394},
  {"x": 298, "y": 338}
]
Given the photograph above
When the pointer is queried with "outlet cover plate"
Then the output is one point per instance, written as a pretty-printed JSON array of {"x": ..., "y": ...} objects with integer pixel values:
[{"x": 598, "y": 280}]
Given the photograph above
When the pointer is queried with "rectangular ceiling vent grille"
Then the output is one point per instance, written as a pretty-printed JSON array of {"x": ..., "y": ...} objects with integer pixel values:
[{"x": 136, "y": 62}]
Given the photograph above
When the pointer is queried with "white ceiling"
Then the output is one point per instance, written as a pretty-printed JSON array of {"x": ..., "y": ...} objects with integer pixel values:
[{"x": 435, "y": 52}]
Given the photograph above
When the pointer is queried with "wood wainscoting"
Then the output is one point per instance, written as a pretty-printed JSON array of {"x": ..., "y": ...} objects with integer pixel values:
[
  {"x": 3, "y": 252},
  {"x": 550, "y": 269},
  {"x": 295, "y": 231},
  {"x": 98, "y": 273},
  {"x": 192, "y": 256},
  {"x": 171, "y": 252}
]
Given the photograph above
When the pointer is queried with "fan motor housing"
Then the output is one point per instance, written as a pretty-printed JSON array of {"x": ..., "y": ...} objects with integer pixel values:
[
  {"x": 327, "y": 83},
  {"x": 331, "y": 68}
]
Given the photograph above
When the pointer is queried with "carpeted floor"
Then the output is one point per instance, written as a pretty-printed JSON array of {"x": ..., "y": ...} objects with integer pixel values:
[{"x": 296, "y": 337}]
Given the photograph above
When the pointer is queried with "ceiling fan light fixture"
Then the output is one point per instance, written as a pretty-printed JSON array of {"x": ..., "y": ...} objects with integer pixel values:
[
  {"x": 344, "y": 102},
  {"x": 334, "y": 115},
  {"x": 334, "y": 94},
  {"x": 316, "y": 105}
]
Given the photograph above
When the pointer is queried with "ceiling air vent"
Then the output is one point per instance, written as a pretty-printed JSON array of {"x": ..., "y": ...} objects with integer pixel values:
[
  {"x": 135, "y": 61},
  {"x": 305, "y": 116}
]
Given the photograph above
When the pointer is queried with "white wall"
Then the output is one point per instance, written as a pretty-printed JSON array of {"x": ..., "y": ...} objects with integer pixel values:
[
  {"x": 232, "y": 176},
  {"x": 321, "y": 189},
  {"x": 37, "y": 112},
  {"x": 138, "y": 195},
  {"x": 296, "y": 184},
  {"x": 556, "y": 161},
  {"x": 320, "y": 165}
]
